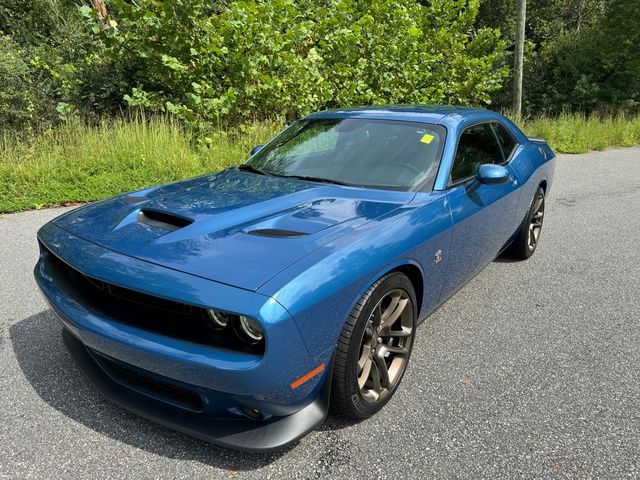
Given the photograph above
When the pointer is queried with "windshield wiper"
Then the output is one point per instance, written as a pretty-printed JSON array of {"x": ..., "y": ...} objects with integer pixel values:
[
  {"x": 250, "y": 168},
  {"x": 319, "y": 179}
]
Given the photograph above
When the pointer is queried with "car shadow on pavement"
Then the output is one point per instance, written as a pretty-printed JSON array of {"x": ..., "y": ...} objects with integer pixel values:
[
  {"x": 504, "y": 258},
  {"x": 51, "y": 371}
]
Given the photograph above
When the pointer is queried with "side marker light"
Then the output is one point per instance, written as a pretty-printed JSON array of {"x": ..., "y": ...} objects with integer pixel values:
[{"x": 308, "y": 376}]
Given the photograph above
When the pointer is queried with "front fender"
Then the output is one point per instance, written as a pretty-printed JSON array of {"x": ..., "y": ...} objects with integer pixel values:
[{"x": 320, "y": 290}]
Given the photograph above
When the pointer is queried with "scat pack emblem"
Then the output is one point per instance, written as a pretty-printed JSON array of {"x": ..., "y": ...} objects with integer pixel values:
[{"x": 438, "y": 256}]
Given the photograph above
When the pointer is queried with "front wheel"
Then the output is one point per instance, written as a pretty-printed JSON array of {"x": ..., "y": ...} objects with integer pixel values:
[
  {"x": 528, "y": 235},
  {"x": 374, "y": 347}
]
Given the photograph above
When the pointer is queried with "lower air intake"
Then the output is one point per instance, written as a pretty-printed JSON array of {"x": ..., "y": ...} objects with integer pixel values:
[{"x": 150, "y": 385}]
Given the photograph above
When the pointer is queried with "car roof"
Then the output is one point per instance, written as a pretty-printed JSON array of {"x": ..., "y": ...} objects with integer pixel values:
[{"x": 412, "y": 113}]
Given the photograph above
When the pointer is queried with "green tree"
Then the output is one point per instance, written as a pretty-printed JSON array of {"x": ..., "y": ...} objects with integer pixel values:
[
  {"x": 597, "y": 68},
  {"x": 52, "y": 64},
  {"x": 550, "y": 23},
  {"x": 238, "y": 61}
]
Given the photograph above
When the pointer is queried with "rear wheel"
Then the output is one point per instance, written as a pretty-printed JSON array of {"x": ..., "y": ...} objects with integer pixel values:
[
  {"x": 528, "y": 235},
  {"x": 374, "y": 347}
]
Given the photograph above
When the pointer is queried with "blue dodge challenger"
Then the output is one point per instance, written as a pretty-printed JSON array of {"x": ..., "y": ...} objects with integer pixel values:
[{"x": 239, "y": 306}]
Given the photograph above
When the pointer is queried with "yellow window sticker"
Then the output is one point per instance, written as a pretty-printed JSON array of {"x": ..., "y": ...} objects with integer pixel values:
[{"x": 427, "y": 138}]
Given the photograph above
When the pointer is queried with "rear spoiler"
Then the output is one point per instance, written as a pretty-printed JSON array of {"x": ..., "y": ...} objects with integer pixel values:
[{"x": 542, "y": 145}]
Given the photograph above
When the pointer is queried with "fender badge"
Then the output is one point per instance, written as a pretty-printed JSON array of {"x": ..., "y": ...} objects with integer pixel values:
[
  {"x": 544, "y": 154},
  {"x": 438, "y": 256}
]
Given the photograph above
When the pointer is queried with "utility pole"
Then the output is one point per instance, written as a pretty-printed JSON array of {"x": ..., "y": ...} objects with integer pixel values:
[{"x": 518, "y": 58}]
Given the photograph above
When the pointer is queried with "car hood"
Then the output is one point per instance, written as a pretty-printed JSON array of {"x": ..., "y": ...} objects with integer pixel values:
[{"x": 234, "y": 227}]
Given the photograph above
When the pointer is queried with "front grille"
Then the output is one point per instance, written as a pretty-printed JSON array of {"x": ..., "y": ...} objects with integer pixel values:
[
  {"x": 141, "y": 298},
  {"x": 140, "y": 310},
  {"x": 150, "y": 385}
]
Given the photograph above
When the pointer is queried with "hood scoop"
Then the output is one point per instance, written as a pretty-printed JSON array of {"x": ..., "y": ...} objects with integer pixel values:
[
  {"x": 164, "y": 220},
  {"x": 276, "y": 233}
]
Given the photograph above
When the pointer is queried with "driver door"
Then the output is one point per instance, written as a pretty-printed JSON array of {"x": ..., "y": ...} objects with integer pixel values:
[{"x": 482, "y": 214}]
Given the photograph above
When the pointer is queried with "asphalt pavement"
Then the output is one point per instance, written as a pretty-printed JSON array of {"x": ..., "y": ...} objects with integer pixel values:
[{"x": 531, "y": 370}]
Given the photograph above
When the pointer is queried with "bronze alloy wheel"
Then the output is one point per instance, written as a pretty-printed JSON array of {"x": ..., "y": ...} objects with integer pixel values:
[
  {"x": 535, "y": 226},
  {"x": 527, "y": 237},
  {"x": 385, "y": 346},
  {"x": 374, "y": 347}
]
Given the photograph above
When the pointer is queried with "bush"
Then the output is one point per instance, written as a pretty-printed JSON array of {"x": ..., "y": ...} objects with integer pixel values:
[
  {"x": 52, "y": 65},
  {"x": 213, "y": 63},
  {"x": 21, "y": 104},
  {"x": 594, "y": 69}
]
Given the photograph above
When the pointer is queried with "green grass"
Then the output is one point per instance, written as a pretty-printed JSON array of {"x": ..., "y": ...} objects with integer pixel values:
[
  {"x": 575, "y": 133},
  {"x": 80, "y": 163}
]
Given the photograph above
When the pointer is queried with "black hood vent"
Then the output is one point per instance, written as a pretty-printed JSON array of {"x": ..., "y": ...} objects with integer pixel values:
[
  {"x": 160, "y": 219},
  {"x": 276, "y": 233}
]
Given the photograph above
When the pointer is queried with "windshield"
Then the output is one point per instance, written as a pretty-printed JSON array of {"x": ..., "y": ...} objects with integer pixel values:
[{"x": 383, "y": 154}]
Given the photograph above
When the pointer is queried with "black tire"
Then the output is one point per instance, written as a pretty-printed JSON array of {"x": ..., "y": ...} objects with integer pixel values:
[
  {"x": 349, "y": 399},
  {"x": 525, "y": 242}
]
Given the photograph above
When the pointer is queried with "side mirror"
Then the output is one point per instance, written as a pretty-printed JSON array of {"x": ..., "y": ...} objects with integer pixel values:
[
  {"x": 491, "y": 174},
  {"x": 256, "y": 149}
]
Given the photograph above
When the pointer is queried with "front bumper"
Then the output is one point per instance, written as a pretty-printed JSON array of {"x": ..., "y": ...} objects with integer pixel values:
[
  {"x": 237, "y": 433},
  {"x": 228, "y": 382}
]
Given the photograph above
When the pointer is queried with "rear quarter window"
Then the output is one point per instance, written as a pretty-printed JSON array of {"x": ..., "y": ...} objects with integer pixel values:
[{"x": 507, "y": 142}]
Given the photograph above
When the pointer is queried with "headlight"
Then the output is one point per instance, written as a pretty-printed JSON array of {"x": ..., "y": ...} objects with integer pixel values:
[
  {"x": 217, "y": 319},
  {"x": 248, "y": 329}
]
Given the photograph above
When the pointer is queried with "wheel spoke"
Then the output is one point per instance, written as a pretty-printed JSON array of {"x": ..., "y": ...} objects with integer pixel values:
[
  {"x": 532, "y": 236},
  {"x": 395, "y": 300},
  {"x": 398, "y": 350},
  {"x": 404, "y": 333},
  {"x": 376, "y": 316},
  {"x": 383, "y": 370},
  {"x": 392, "y": 313},
  {"x": 366, "y": 372},
  {"x": 375, "y": 378},
  {"x": 538, "y": 204},
  {"x": 364, "y": 356}
]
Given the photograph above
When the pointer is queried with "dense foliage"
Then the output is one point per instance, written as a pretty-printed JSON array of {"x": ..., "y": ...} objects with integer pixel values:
[
  {"x": 581, "y": 55},
  {"x": 597, "y": 67},
  {"x": 70, "y": 68},
  {"x": 256, "y": 59},
  {"x": 222, "y": 63},
  {"x": 52, "y": 65}
]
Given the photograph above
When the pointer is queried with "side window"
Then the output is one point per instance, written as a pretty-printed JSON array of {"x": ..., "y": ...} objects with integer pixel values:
[
  {"x": 477, "y": 145},
  {"x": 506, "y": 140}
]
